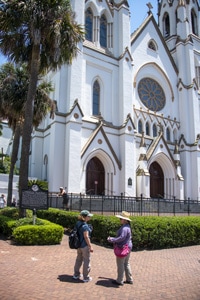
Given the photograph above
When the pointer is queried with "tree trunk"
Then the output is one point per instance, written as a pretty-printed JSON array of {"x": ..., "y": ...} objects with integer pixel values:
[
  {"x": 28, "y": 122},
  {"x": 15, "y": 150}
]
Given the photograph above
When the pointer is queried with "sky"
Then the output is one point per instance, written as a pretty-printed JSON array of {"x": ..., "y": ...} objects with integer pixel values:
[{"x": 139, "y": 11}]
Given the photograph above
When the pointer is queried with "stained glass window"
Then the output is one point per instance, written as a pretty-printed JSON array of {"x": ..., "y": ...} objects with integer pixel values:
[
  {"x": 151, "y": 94},
  {"x": 147, "y": 128},
  {"x": 154, "y": 130},
  {"x": 88, "y": 24},
  {"x": 96, "y": 98},
  {"x": 140, "y": 126},
  {"x": 103, "y": 31},
  {"x": 168, "y": 134}
]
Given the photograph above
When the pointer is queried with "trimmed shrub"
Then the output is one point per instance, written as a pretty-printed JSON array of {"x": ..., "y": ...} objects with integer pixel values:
[
  {"x": 165, "y": 232},
  {"x": 13, "y": 212},
  {"x": 148, "y": 232},
  {"x": 24, "y": 232},
  {"x": 63, "y": 218},
  {"x": 6, "y": 225},
  {"x": 38, "y": 235}
]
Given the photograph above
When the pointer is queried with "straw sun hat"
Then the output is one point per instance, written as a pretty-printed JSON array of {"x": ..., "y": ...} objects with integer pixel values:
[{"x": 124, "y": 215}]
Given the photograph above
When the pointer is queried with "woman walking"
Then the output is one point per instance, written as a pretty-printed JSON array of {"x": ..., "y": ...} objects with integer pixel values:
[{"x": 123, "y": 239}]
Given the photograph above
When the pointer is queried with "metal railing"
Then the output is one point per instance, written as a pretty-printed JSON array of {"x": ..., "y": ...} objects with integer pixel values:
[{"x": 140, "y": 206}]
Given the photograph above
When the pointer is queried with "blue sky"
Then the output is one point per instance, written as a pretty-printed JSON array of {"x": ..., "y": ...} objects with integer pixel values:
[{"x": 138, "y": 9}]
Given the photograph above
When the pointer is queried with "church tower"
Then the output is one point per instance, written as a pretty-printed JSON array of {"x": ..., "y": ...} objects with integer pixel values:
[
  {"x": 114, "y": 97},
  {"x": 179, "y": 22}
]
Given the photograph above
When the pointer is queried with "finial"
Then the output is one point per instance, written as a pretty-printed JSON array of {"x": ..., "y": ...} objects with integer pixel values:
[{"x": 149, "y": 5}]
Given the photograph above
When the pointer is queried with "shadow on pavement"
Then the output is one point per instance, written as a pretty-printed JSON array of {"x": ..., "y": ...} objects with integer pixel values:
[
  {"x": 107, "y": 282},
  {"x": 68, "y": 278}
]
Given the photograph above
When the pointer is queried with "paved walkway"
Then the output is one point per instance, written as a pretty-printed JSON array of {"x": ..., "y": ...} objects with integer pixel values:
[{"x": 45, "y": 273}]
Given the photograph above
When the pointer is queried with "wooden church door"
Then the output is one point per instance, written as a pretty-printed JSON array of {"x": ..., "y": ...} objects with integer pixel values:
[
  {"x": 156, "y": 181},
  {"x": 95, "y": 177}
]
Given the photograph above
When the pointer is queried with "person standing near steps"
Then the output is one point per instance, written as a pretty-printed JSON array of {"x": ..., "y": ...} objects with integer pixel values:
[{"x": 85, "y": 250}]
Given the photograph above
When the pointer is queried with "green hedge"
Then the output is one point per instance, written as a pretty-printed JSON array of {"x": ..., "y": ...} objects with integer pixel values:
[
  {"x": 24, "y": 232},
  {"x": 38, "y": 235},
  {"x": 165, "y": 232},
  {"x": 63, "y": 218},
  {"x": 10, "y": 212},
  {"x": 6, "y": 225},
  {"x": 147, "y": 232}
]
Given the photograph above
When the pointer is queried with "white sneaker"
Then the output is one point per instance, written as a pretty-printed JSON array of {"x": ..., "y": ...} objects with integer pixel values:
[
  {"x": 77, "y": 277},
  {"x": 88, "y": 279}
]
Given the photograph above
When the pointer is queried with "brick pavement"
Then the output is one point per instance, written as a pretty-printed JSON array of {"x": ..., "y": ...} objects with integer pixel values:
[{"x": 45, "y": 272}]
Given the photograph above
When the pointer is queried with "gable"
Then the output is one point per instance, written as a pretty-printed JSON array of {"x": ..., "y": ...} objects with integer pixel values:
[
  {"x": 140, "y": 39},
  {"x": 99, "y": 141}
]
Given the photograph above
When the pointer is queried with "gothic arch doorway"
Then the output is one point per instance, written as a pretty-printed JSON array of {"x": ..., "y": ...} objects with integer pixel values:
[
  {"x": 156, "y": 181},
  {"x": 95, "y": 177}
]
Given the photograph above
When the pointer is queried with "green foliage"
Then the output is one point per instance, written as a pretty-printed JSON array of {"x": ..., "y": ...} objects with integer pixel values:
[
  {"x": 24, "y": 232},
  {"x": 5, "y": 166},
  {"x": 6, "y": 225},
  {"x": 103, "y": 227},
  {"x": 147, "y": 232},
  {"x": 38, "y": 235},
  {"x": 59, "y": 217},
  {"x": 165, "y": 232},
  {"x": 29, "y": 221},
  {"x": 41, "y": 183},
  {"x": 13, "y": 212},
  {"x": 9, "y": 216}
]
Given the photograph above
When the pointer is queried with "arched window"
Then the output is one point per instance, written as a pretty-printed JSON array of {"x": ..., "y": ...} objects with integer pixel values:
[
  {"x": 174, "y": 135},
  {"x": 154, "y": 130},
  {"x": 140, "y": 126},
  {"x": 103, "y": 31},
  {"x": 168, "y": 134},
  {"x": 147, "y": 128},
  {"x": 96, "y": 98},
  {"x": 89, "y": 25},
  {"x": 166, "y": 25},
  {"x": 194, "y": 22},
  {"x": 152, "y": 45}
]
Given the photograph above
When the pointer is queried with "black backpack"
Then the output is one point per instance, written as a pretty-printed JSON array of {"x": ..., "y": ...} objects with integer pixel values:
[{"x": 74, "y": 239}]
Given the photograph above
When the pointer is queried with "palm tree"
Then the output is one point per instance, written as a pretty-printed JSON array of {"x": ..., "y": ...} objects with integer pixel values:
[
  {"x": 44, "y": 34},
  {"x": 13, "y": 92}
]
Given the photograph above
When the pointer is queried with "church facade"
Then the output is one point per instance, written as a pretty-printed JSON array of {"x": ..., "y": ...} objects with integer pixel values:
[{"x": 127, "y": 117}]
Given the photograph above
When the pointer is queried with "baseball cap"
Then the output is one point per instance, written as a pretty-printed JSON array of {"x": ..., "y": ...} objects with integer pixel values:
[{"x": 86, "y": 213}]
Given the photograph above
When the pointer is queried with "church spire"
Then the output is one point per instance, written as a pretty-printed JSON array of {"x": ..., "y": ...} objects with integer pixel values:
[
  {"x": 182, "y": 21},
  {"x": 178, "y": 18},
  {"x": 177, "y": 161},
  {"x": 143, "y": 176},
  {"x": 181, "y": 3}
]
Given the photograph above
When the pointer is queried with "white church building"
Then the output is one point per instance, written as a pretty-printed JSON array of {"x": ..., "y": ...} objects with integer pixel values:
[{"x": 127, "y": 117}]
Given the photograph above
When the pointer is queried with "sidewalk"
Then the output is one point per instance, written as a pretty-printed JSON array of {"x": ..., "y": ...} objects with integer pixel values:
[{"x": 45, "y": 273}]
